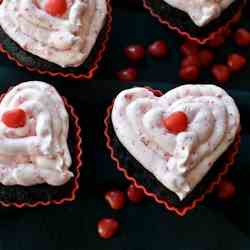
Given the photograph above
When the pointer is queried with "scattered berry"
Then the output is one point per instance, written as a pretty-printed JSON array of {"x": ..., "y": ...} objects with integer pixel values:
[
  {"x": 189, "y": 48},
  {"x": 158, "y": 49},
  {"x": 129, "y": 74},
  {"x": 14, "y": 118},
  {"x": 226, "y": 190},
  {"x": 107, "y": 228},
  {"x": 176, "y": 122},
  {"x": 135, "y": 195},
  {"x": 221, "y": 72},
  {"x": 236, "y": 62},
  {"x": 192, "y": 60},
  {"x": 216, "y": 42},
  {"x": 242, "y": 37},
  {"x": 56, "y": 7},
  {"x": 189, "y": 73},
  {"x": 135, "y": 52},
  {"x": 206, "y": 57},
  {"x": 116, "y": 199}
]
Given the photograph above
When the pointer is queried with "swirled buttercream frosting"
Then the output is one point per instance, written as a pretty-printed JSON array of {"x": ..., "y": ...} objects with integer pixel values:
[
  {"x": 201, "y": 11},
  {"x": 33, "y": 136},
  {"x": 178, "y": 136},
  {"x": 66, "y": 39}
]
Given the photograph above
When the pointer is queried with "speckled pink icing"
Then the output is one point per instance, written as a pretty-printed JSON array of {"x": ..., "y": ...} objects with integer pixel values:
[
  {"x": 201, "y": 11},
  {"x": 66, "y": 40},
  {"x": 178, "y": 161},
  {"x": 38, "y": 152}
]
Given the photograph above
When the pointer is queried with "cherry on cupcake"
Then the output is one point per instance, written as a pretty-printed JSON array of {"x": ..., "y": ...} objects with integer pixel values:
[
  {"x": 176, "y": 122},
  {"x": 221, "y": 72},
  {"x": 15, "y": 118},
  {"x": 189, "y": 48},
  {"x": 189, "y": 73},
  {"x": 107, "y": 228},
  {"x": 236, "y": 62},
  {"x": 135, "y": 195},
  {"x": 206, "y": 58},
  {"x": 56, "y": 7},
  {"x": 134, "y": 52},
  {"x": 158, "y": 49},
  {"x": 116, "y": 199},
  {"x": 128, "y": 74},
  {"x": 226, "y": 190},
  {"x": 242, "y": 37}
]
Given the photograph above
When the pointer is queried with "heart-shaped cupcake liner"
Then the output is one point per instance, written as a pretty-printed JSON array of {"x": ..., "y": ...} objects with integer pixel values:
[
  {"x": 33, "y": 63},
  {"x": 143, "y": 179},
  {"x": 181, "y": 23},
  {"x": 43, "y": 194}
]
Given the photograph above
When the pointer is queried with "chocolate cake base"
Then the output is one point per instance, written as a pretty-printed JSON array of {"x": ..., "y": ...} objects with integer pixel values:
[
  {"x": 143, "y": 177},
  {"x": 180, "y": 20}
]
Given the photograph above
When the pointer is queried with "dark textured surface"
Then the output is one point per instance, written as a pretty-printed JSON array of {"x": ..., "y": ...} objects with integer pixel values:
[
  {"x": 43, "y": 192},
  {"x": 181, "y": 20}
]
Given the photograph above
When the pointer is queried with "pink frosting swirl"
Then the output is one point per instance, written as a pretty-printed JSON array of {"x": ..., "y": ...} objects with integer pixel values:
[{"x": 179, "y": 161}]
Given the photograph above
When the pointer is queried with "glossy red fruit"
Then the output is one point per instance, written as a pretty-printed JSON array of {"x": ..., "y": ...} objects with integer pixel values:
[
  {"x": 189, "y": 48},
  {"x": 116, "y": 199},
  {"x": 177, "y": 122},
  {"x": 242, "y": 37},
  {"x": 158, "y": 49},
  {"x": 226, "y": 190},
  {"x": 221, "y": 73},
  {"x": 189, "y": 73},
  {"x": 129, "y": 74},
  {"x": 135, "y": 195},
  {"x": 107, "y": 228},
  {"x": 206, "y": 57},
  {"x": 236, "y": 62},
  {"x": 217, "y": 41},
  {"x": 15, "y": 118},
  {"x": 192, "y": 60},
  {"x": 56, "y": 7},
  {"x": 135, "y": 52}
]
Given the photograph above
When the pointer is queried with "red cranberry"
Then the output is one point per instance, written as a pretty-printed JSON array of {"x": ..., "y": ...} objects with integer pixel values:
[
  {"x": 158, "y": 49},
  {"x": 221, "y": 72},
  {"x": 107, "y": 228},
  {"x": 135, "y": 52},
  {"x": 242, "y": 37},
  {"x": 226, "y": 190},
  {"x": 206, "y": 57},
  {"x": 236, "y": 62},
  {"x": 129, "y": 74},
  {"x": 116, "y": 199},
  {"x": 189, "y": 73},
  {"x": 189, "y": 48},
  {"x": 190, "y": 60},
  {"x": 216, "y": 42},
  {"x": 135, "y": 195}
]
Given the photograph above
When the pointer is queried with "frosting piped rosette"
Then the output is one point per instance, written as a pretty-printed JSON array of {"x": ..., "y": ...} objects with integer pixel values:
[
  {"x": 178, "y": 136},
  {"x": 62, "y": 31},
  {"x": 34, "y": 128},
  {"x": 201, "y": 11}
]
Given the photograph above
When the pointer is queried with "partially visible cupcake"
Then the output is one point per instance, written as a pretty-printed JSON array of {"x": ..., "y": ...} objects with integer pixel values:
[
  {"x": 60, "y": 37},
  {"x": 196, "y": 20},
  {"x": 40, "y": 154},
  {"x": 176, "y": 146}
]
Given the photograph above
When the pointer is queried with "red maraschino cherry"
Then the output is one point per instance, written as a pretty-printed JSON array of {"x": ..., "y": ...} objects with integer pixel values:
[
  {"x": 15, "y": 118},
  {"x": 135, "y": 195},
  {"x": 177, "y": 122},
  {"x": 56, "y": 7},
  {"x": 116, "y": 199},
  {"x": 107, "y": 228}
]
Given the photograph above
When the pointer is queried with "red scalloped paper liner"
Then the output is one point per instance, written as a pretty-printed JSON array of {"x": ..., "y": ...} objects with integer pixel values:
[
  {"x": 86, "y": 76},
  {"x": 179, "y": 211},
  {"x": 201, "y": 41},
  {"x": 78, "y": 155}
]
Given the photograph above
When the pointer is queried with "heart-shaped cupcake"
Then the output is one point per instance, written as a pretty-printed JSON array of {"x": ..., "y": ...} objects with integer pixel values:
[
  {"x": 197, "y": 20},
  {"x": 62, "y": 33},
  {"x": 34, "y": 145},
  {"x": 176, "y": 137}
]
